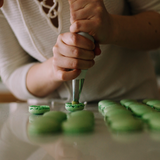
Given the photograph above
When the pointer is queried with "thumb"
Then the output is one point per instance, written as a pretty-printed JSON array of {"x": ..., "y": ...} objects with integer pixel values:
[{"x": 64, "y": 75}]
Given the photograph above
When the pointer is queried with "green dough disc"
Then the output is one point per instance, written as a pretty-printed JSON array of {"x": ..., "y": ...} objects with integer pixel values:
[
  {"x": 83, "y": 113},
  {"x": 82, "y": 116},
  {"x": 124, "y": 125},
  {"x": 57, "y": 115},
  {"x": 77, "y": 126},
  {"x": 118, "y": 112},
  {"x": 43, "y": 125},
  {"x": 119, "y": 117},
  {"x": 38, "y": 109},
  {"x": 74, "y": 107},
  {"x": 150, "y": 115},
  {"x": 154, "y": 123},
  {"x": 137, "y": 105},
  {"x": 156, "y": 106},
  {"x": 153, "y": 102},
  {"x": 147, "y": 100},
  {"x": 124, "y": 101},
  {"x": 141, "y": 110},
  {"x": 104, "y": 103}
]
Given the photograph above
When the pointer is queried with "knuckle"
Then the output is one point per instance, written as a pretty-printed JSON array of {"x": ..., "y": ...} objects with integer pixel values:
[
  {"x": 77, "y": 24},
  {"x": 92, "y": 55},
  {"x": 61, "y": 76},
  {"x": 73, "y": 16},
  {"x": 75, "y": 64},
  {"x": 91, "y": 63},
  {"x": 55, "y": 49},
  {"x": 74, "y": 39},
  {"x": 75, "y": 52}
]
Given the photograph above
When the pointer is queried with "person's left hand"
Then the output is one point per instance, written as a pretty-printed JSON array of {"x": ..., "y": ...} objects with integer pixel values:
[{"x": 92, "y": 17}]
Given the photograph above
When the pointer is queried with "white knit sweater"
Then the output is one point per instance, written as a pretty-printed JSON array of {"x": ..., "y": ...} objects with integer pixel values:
[{"x": 27, "y": 35}]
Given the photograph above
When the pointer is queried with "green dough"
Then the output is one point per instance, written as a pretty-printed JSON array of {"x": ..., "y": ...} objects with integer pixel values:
[
  {"x": 140, "y": 111},
  {"x": 123, "y": 102},
  {"x": 74, "y": 107},
  {"x": 105, "y": 103},
  {"x": 137, "y": 105},
  {"x": 147, "y": 100},
  {"x": 43, "y": 125},
  {"x": 106, "y": 110},
  {"x": 57, "y": 115},
  {"x": 118, "y": 112},
  {"x": 116, "y": 118},
  {"x": 110, "y": 106},
  {"x": 38, "y": 109},
  {"x": 77, "y": 126},
  {"x": 153, "y": 102},
  {"x": 128, "y": 125},
  {"x": 83, "y": 113},
  {"x": 150, "y": 115},
  {"x": 156, "y": 106},
  {"x": 154, "y": 123},
  {"x": 82, "y": 116}
]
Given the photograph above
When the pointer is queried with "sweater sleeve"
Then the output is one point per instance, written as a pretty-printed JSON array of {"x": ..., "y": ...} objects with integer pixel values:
[
  {"x": 14, "y": 62},
  {"x": 138, "y": 6}
]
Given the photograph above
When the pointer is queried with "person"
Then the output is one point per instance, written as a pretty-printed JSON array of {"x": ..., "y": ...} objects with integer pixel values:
[{"x": 41, "y": 52}]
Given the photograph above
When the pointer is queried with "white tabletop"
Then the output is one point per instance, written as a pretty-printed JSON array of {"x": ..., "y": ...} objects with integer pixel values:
[{"x": 102, "y": 144}]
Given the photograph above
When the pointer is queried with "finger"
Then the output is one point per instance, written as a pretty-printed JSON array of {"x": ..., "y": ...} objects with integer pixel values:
[
  {"x": 84, "y": 13},
  {"x": 63, "y": 75},
  {"x": 77, "y": 40},
  {"x": 97, "y": 49},
  {"x": 74, "y": 52},
  {"x": 72, "y": 63},
  {"x": 88, "y": 26},
  {"x": 76, "y": 5}
]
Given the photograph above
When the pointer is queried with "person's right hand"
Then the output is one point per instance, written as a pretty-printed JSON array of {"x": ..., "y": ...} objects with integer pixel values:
[{"x": 71, "y": 54}]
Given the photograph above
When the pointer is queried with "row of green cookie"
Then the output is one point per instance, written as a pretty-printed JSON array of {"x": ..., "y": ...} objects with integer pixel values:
[
  {"x": 118, "y": 118},
  {"x": 154, "y": 103},
  {"x": 118, "y": 115},
  {"x": 147, "y": 110},
  {"x": 56, "y": 121}
]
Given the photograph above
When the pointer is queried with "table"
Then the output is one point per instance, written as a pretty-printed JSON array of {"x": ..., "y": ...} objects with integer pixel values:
[{"x": 102, "y": 144}]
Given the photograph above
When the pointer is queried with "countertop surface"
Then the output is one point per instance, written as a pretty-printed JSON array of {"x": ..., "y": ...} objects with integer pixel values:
[{"x": 102, "y": 144}]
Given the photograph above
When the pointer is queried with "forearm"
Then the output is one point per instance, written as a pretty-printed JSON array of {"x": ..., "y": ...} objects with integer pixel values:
[
  {"x": 40, "y": 79},
  {"x": 141, "y": 31}
]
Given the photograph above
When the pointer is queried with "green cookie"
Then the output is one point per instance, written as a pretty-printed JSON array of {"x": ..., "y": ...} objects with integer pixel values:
[
  {"x": 57, "y": 115},
  {"x": 43, "y": 125},
  {"x": 126, "y": 125},
  {"x": 77, "y": 126},
  {"x": 74, "y": 107},
  {"x": 38, "y": 109}
]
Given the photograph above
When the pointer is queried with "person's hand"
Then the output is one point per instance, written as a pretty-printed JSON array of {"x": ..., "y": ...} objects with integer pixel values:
[
  {"x": 92, "y": 17},
  {"x": 71, "y": 54}
]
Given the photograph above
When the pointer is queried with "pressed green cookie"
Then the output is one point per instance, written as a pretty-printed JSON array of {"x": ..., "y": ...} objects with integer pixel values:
[
  {"x": 38, "y": 109},
  {"x": 74, "y": 107}
]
